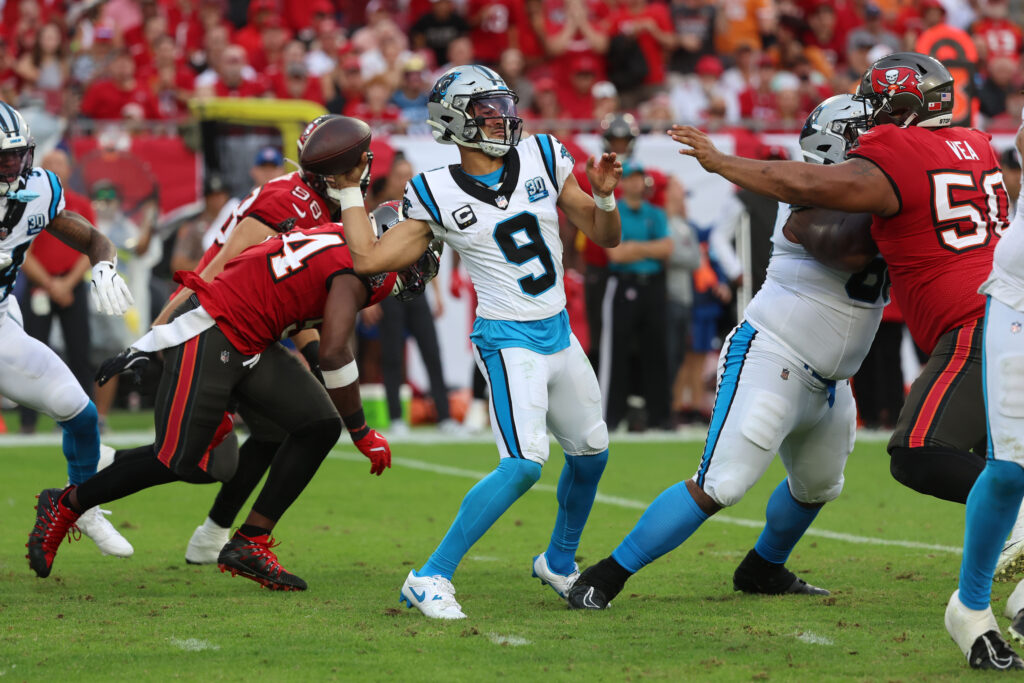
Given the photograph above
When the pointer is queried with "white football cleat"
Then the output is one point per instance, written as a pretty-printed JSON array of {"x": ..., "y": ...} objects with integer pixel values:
[
  {"x": 206, "y": 543},
  {"x": 559, "y": 583},
  {"x": 93, "y": 524},
  {"x": 432, "y": 595},
  {"x": 106, "y": 457},
  {"x": 966, "y": 625},
  {"x": 1011, "y": 559}
]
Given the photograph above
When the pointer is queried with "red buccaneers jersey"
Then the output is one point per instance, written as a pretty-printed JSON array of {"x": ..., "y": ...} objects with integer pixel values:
[
  {"x": 284, "y": 197},
  {"x": 279, "y": 286},
  {"x": 953, "y": 208}
]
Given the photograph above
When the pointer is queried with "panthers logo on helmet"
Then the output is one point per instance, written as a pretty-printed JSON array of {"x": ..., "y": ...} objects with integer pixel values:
[
  {"x": 442, "y": 85},
  {"x": 897, "y": 79}
]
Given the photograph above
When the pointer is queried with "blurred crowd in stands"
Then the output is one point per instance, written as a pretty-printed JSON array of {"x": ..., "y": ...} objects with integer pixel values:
[
  {"x": 614, "y": 67},
  {"x": 762, "y": 63}
]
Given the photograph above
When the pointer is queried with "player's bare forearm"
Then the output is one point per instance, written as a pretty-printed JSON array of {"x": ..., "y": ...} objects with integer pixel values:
[
  {"x": 346, "y": 296},
  {"x": 171, "y": 306},
  {"x": 836, "y": 239},
  {"x": 854, "y": 186},
  {"x": 397, "y": 248},
  {"x": 79, "y": 234},
  {"x": 604, "y": 228}
]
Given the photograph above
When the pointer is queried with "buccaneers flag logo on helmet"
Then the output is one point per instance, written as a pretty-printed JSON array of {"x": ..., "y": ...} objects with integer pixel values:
[{"x": 898, "y": 79}]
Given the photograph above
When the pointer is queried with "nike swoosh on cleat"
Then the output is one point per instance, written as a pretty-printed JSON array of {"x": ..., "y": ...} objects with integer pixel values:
[
  {"x": 378, "y": 448},
  {"x": 419, "y": 596},
  {"x": 588, "y": 601}
]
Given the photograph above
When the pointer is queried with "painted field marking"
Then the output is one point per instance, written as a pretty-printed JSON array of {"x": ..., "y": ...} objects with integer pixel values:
[
  {"x": 499, "y": 639},
  {"x": 193, "y": 644},
  {"x": 345, "y": 453}
]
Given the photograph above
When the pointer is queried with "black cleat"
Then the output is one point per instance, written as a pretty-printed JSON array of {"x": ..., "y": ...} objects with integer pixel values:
[
  {"x": 598, "y": 585},
  {"x": 254, "y": 559},
  {"x": 757, "y": 575},
  {"x": 990, "y": 651},
  {"x": 587, "y": 597}
]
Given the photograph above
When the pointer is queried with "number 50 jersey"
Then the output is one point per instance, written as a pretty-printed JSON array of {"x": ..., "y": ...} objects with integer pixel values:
[{"x": 507, "y": 234}]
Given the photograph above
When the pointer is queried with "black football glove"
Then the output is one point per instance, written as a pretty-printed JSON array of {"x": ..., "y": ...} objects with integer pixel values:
[
  {"x": 126, "y": 361},
  {"x": 311, "y": 352}
]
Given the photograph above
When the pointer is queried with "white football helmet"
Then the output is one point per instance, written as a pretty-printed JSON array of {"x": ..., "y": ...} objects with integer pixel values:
[
  {"x": 832, "y": 128},
  {"x": 463, "y": 102},
  {"x": 17, "y": 149}
]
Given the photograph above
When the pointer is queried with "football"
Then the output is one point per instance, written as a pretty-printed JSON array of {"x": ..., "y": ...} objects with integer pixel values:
[{"x": 335, "y": 146}]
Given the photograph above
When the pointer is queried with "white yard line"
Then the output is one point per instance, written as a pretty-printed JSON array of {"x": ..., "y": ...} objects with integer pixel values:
[{"x": 346, "y": 453}]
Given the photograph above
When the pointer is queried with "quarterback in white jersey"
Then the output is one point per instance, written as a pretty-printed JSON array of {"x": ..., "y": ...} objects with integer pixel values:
[
  {"x": 499, "y": 209},
  {"x": 783, "y": 388},
  {"x": 995, "y": 499},
  {"x": 32, "y": 200}
]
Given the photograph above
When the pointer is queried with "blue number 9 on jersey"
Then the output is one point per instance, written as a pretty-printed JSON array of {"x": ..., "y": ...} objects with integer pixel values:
[{"x": 521, "y": 254}]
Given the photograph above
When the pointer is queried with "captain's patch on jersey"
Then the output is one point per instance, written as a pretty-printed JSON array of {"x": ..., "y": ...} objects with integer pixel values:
[
  {"x": 464, "y": 216},
  {"x": 536, "y": 189}
]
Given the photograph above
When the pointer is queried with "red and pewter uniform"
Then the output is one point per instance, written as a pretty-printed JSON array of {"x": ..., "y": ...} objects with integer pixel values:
[
  {"x": 228, "y": 352},
  {"x": 272, "y": 204},
  {"x": 280, "y": 286},
  {"x": 953, "y": 208}
]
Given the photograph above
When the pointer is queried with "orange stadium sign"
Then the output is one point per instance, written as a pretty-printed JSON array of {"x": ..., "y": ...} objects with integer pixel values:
[{"x": 956, "y": 50}]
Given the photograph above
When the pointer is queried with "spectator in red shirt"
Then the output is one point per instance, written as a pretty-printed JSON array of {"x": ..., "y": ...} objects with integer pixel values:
[
  {"x": 121, "y": 95},
  {"x": 995, "y": 34},
  {"x": 171, "y": 81},
  {"x": 377, "y": 107},
  {"x": 493, "y": 27},
  {"x": 758, "y": 101},
  {"x": 579, "y": 102},
  {"x": 823, "y": 34},
  {"x": 232, "y": 77},
  {"x": 291, "y": 78},
  {"x": 345, "y": 84},
  {"x": 650, "y": 25},
  {"x": 57, "y": 287},
  {"x": 250, "y": 36},
  {"x": 274, "y": 36}
]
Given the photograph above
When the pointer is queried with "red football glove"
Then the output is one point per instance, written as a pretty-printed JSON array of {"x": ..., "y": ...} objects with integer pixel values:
[{"x": 375, "y": 447}]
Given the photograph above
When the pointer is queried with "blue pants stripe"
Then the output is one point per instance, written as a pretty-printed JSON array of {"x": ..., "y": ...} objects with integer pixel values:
[{"x": 739, "y": 346}]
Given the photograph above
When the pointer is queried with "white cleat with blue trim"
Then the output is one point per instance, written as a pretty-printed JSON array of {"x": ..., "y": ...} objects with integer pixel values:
[
  {"x": 558, "y": 582},
  {"x": 432, "y": 595}
]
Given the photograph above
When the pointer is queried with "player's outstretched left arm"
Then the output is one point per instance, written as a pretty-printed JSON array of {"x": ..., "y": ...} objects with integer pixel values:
[
  {"x": 854, "y": 186},
  {"x": 110, "y": 292},
  {"x": 596, "y": 216},
  {"x": 338, "y": 366}
]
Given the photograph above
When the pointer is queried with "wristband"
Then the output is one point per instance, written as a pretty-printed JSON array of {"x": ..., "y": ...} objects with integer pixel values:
[
  {"x": 342, "y": 377},
  {"x": 605, "y": 203},
  {"x": 356, "y": 425},
  {"x": 350, "y": 198}
]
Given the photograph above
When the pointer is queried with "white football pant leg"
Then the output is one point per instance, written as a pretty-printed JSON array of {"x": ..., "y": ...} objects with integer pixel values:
[
  {"x": 34, "y": 376},
  {"x": 575, "y": 414},
  {"x": 517, "y": 380}
]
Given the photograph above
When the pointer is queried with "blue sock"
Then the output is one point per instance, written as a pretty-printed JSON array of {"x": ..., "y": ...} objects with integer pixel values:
[
  {"x": 577, "y": 488},
  {"x": 992, "y": 507},
  {"x": 665, "y": 524},
  {"x": 481, "y": 508},
  {"x": 786, "y": 520},
  {"x": 82, "y": 444}
]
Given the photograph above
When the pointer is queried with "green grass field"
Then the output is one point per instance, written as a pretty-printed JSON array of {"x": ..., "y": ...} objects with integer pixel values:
[{"x": 354, "y": 537}]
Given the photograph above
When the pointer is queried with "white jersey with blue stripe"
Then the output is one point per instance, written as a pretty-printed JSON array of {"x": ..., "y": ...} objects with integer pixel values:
[
  {"x": 506, "y": 234},
  {"x": 1006, "y": 282},
  {"x": 827, "y": 317},
  {"x": 20, "y": 222}
]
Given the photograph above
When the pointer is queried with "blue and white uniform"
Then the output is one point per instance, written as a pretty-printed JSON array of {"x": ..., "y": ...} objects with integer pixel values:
[
  {"x": 783, "y": 374},
  {"x": 30, "y": 372},
  {"x": 506, "y": 232}
]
